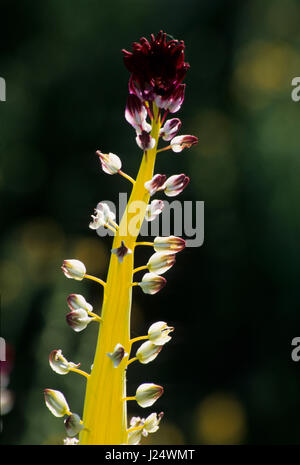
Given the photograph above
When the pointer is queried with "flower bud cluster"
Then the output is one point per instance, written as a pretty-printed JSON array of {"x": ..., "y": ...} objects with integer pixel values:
[
  {"x": 161, "y": 261},
  {"x": 157, "y": 69}
]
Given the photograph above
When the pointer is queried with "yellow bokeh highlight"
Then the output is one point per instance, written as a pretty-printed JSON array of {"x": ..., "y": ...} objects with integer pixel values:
[
  {"x": 263, "y": 71},
  {"x": 220, "y": 419},
  {"x": 93, "y": 253}
]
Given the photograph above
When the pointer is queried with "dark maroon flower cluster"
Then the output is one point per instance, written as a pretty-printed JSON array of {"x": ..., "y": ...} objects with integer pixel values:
[{"x": 157, "y": 70}]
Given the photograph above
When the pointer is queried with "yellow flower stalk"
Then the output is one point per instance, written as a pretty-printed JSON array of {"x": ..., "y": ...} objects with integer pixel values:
[{"x": 154, "y": 92}]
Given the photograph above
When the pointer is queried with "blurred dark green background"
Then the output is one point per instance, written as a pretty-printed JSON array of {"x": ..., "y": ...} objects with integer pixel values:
[{"x": 228, "y": 373}]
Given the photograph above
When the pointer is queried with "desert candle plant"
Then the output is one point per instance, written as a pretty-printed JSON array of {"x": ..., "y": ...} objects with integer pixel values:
[{"x": 157, "y": 69}]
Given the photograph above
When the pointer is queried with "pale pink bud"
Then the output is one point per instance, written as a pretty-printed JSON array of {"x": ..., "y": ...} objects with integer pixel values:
[
  {"x": 169, "y": 244},
  {"x": 147, "y": 394},
  {"x": 147, "y": 352},
  {"x": 78, "y": 319},
  {"x": 73, "y": 424},
  {"x": 110, "y": 162},
  {"x": 160, "y": 262},
  {"x": 170, "y": 129},
  {"x": 152, "y": 283},
  {"x": 145, "y": 141},
  {"x": 136, "y": 114},
  {"x": 117, "y": 355},
  {"x": 175, "y": 184},
  {"x": 56, "y": 402},
  {"x": 76, "y": 301},
  {"x": 59, "y": 363},
  {"x": 154, "y": 209},
  {"x": 181, "y": 142},
  {"x": 73, "y": 269},
  {"x": 158, "y": 333},
  {"x": 156, "y": 183},
  {"x": 173, "y": 101}
]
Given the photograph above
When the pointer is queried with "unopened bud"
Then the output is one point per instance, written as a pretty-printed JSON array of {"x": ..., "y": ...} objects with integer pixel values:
[
  {"x": 73, "y": 424},
  {"x": 136, "y": 114},
  {"x": 156, "y": 183},
  {"x": 175, "y": 184},
  {"x": 169, "y": 244},
  {"x": 171, "y": 102},
  {"x": 145, "y": 141},
  {"x": 76, "y": 301},
  {"x": 147, "y": 352},
  {"x": 181, "y": 142},
  {"x": 152, "y": 283},
  {"x": 170, "y": 129},
  {"x": 158, "y": 333},
  {"x": 56, "y": 402},
  {"x": 73, "y": 269},
  {"x": 59, "y": 363},
  {"x": 78, "y": 319},
  {"x": 147, "y": 394},
  {"x": 110, "y": 162},
  {"x": 160, "y": 262},
  {"x": 117, "y": 355}
]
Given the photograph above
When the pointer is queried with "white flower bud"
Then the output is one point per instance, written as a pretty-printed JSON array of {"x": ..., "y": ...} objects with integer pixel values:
[
  {"x": 175, "y": 184},
  {"x": 117, "y": 355},
  {"x": 59, "y": 363},
  {"x": 160, "y": 262},
  {"x": 156, "y": 183},
  {"x": 73, "y": 424},
  {"x": 147, "y": 352},
  {"x": 147, "y": 394},
  {"x": 76, "y": 301},
  {"x": 110, "y": 162},
  {"x": 78, "y": 319},
  {"x": 154, "y": 209},
  {"x": 158, "y": 333},
  {"x": 136, "y": 114},
  {"x": 169, "y": 244},
  {"x": 56, "y": 403},
  {"x": 152, "y": 283},
  {"x": 181, "y": 142},
  {"x": 170, "y": 129},
  {"x": 73, "y": 269}
]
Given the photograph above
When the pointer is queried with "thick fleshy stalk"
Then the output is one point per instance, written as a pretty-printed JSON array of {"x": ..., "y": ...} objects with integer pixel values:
[{"x": 105, "y": 410}]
